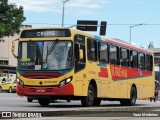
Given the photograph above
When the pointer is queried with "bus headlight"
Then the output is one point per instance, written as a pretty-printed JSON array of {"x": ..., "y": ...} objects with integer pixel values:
[
  {"x": 21, "y": 83},
  {"x": 64, "y": 82},
  {"x": 68, "y": 80}
]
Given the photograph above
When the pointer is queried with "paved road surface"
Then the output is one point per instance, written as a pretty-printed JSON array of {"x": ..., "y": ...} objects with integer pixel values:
[{"x": 13, "y": 102}]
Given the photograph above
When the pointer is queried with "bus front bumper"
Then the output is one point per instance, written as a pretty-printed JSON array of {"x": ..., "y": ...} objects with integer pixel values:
[{"x": 51, "y": 91}]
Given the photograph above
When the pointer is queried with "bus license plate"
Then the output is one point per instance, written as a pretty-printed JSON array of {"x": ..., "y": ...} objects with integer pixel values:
[{"x": 40, "y": 90}]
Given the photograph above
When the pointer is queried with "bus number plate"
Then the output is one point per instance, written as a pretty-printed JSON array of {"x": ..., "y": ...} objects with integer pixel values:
[{"x": 40, "y": 90}]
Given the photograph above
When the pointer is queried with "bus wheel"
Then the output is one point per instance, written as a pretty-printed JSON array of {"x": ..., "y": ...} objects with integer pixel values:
[
  {"x": 97, "y": 102},
  {"x": 44, "y": 102},
  {"x": 88, "y": 100},
  {"x": 132, "y": 100},
  {"x": 10, "y": 90},
  {"x": 133, "y": 96}
]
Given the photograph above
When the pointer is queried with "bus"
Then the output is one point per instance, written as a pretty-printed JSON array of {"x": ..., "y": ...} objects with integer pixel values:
[{"x": 70, "y": 64}]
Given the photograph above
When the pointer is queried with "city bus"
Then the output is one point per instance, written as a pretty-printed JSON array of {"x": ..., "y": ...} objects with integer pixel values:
[{"x": 70, "y": 64}]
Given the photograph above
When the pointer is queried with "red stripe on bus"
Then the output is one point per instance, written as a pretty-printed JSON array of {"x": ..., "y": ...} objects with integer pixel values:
[
  {"x": 119, "y": 72},
  {"x": 103, "y": 72}
]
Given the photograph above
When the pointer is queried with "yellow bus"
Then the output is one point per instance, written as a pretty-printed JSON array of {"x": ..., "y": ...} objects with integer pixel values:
[{"x": 70, "y": 64}]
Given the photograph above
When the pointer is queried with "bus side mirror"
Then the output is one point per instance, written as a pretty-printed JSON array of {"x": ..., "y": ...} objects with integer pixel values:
[
  {"x": 77, "y": 52},
  {"x": 13, "y": 48}
]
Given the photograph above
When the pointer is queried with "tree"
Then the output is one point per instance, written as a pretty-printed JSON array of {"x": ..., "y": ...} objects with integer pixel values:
[{"x": 11, "y": 17}]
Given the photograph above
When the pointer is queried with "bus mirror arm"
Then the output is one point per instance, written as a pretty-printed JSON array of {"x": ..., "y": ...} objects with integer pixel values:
[{"x": 13, "y": 48}]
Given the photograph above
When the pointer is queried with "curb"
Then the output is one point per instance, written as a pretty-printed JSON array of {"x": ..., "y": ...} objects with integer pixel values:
[
  {"x": 127, "y": 111},
  {"x": 99, "y": 110}
]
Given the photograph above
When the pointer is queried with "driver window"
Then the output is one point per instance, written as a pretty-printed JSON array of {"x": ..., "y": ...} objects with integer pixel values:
[{"x": 79, "y": 40}]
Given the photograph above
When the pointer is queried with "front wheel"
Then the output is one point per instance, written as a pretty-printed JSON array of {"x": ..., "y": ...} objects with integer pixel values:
[
  {"x": 44, "y": 102},
  {"x": 88, "y": 100}
]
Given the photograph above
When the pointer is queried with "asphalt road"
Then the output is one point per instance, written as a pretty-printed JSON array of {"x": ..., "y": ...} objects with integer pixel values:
[
  {"x": 63, "y": 110},
  {"x": 13, "y": 102}
]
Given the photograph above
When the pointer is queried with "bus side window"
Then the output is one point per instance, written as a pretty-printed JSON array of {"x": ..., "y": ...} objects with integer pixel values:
[
  {"x": 92, "y": 50},
  {"x": 79, "y": 45},
  {"x": 114, "y": 55},
  {"x": 148, "y": 62},
  {"x": 103, "y": 52},
  {"x": 142, "y": 61},
  {"x": 124, "y": 57},
  {"x": 134, "y": 59}
]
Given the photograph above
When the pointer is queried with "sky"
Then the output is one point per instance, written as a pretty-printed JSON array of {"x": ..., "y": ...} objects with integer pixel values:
[{"x": 119, "y": 14}]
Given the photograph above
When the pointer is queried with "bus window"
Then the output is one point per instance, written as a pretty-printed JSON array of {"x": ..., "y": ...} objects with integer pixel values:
[
  {"x": 141, "y": 61},
  {"x": 103, "y": 52},
  {"x": 124, "y": 57},
  {"x": 134, "y": 59},
  {"x": 148, "y": 62},
  {"x": 114, "y": 55},
  {"x": 80, "y": 41},
  {"x": 92, "y": 51}
]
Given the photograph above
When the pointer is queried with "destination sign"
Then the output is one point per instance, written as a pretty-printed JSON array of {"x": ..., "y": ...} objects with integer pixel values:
[{"x": 45, "y": 33}]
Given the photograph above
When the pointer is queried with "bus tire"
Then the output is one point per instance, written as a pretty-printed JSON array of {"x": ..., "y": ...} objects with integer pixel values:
[
  {"x": 44, "y": 102},
  {"x": 10, "y": 90},
  {"x": 97, "y": 102},
  {"x": 88, "y": 100},
  {"x": 133, "y": 97},
  {"x": 132, "y": 100}
]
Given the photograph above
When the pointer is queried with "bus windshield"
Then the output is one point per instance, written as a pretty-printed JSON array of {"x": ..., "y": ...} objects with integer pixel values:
[{"x": 45, "y": 55}]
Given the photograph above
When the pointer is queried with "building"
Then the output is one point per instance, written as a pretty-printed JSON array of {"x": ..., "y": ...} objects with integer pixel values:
[{"x": 7, "y": 61}]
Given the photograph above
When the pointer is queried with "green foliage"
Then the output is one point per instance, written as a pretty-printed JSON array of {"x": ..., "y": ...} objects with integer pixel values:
[{"x": 11, "y": 18}]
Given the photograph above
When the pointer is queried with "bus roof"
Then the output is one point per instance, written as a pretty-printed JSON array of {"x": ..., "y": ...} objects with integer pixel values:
[
  {"x": 108, "y": 40},
  {"x": 118, "y": 42},
  {"x": 127, "y": 45}
]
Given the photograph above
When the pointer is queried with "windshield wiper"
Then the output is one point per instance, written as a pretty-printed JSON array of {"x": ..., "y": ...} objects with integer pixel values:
[{"x": 51, "y": 49}]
